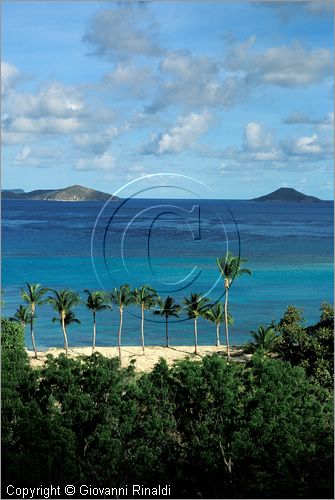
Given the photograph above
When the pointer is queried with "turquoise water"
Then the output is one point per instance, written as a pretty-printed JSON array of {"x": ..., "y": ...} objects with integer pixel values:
[{"x": 289, "y": 248}]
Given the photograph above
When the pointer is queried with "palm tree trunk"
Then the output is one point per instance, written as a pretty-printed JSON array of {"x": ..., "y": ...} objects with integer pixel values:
[
  {"x": 218, "y": 335},
  {"x": 66, "y": 346},
  {"x": 119, "y": 332},
  {"x": 142, "y": 328},
  {"x": 226, "y": 323},
  {"x": 166, "y": 331},
  {"x": 94, "y": 332},
  {"x": 33, "y": 336},
  {"x": 195, "y": 336}
]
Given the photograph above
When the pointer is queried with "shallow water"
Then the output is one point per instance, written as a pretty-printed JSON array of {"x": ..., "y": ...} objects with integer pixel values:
[{"x": 173, "y": 248}]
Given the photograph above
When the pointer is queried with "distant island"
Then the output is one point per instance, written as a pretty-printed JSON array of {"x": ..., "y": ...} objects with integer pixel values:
[
  {"x": 72, "y": 193},
  {"x": 287, "y": 195}
]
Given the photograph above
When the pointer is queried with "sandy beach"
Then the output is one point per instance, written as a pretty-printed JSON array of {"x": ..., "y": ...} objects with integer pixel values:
[{"x": 143, "y": 362}]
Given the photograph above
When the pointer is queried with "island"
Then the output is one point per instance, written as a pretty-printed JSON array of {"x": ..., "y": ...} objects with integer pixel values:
[
  {"x": 287, "y": 195},
  {"x": 71, "y": 193}
]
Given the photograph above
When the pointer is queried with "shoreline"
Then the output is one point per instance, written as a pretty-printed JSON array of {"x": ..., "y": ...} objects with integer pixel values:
[{"x": 144, "y": 362}]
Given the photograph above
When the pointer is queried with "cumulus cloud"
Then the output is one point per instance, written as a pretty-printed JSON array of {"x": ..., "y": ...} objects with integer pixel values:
[
  {"x": 181, "y": 136},
  {"x": 283, "y": 66},
  {"x": 256, "y": 137},
  {"x": 128, "y": 80},
  {"x": 194, "y": 82},
  {"x": 53, "y": 109},
  {"x": 122, "y": 32},
  {"x": 288, "y": 10},
  {"x": 97, "y": 143},
  {"x": 9, "y": 76},
  {"x": 260, "y": 149},
  {"x": 104, "y": 161},
  {"x": 41, "y": 157},
  {"x": 309, "y": 145},
  {"x": 296, "y": 117},
  {"x": 55, "y": 99}
]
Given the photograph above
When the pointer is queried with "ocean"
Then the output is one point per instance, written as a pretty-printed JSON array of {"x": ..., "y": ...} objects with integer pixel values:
[{"x": 171, "y": 245}]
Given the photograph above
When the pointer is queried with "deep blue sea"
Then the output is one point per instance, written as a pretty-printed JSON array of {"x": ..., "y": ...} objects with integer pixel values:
[{"x": 171, "y": 245}]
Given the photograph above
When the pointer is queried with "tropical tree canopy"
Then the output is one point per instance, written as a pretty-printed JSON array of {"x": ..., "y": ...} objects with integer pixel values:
[
  {"x": 145, "y": 297},
  {"x": 69, "y": 318},
  {"x": 22, "y": 315},
  {"x": 167, "y": 307},
  {"x": 196, "y": 305},
  {"x": 64, "y": 300},
  {"x": 216, "y": 314},
  {"x": 33, "y": 295},
  {"x": 230, "y": 268},
  {"x": 122, "y": 296},
  {"x": 265, "y": 338},
  {"x": 97, "y": 300}
]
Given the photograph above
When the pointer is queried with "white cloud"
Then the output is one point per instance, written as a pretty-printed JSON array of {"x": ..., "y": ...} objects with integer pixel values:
[
  {"x": 122, "y": 32},
  {"x": 256, "y": 137},
  {"x": 297, "y": 117},
  {"x": 182, "y": 136},
  {"x": 54, "y": 109},
  {"x": 55, "y": 99},
  {"x": 291, "y": 9},
  {"x": 128, "y": 80},
  {"x": 48, "y": 125},
  {"x": 104, "y": 161},
  {"x": 38, "y": 157},
  {"x": 284, "y": 66},
  {"x": 260, "y": 150},
  {"x": 9, "y": 75},
  {"x": 309, "y": 145},
  {"x": 98, "y": 143},
  {"x": 195, "y": 82}
]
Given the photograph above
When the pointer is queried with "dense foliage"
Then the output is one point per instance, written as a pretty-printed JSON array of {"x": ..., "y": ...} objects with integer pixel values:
[
  {"x": 210, "y": 429},
  {"x": 311, "y": 347}
]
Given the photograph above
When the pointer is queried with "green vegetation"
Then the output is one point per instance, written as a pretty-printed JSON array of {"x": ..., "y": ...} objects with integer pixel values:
[
  {"x": 196, "y": 306},
  {"x": 33, "y": 295},
  {"x": 122, "y": 297},
  {"x": 63, "y": 302},
  {"x": 167, "y": 308},
  {"x": 311, "y": 347},
  {"x": 216, "y": 314},
  {"x": 209, "y": 428},
  {"x": 265, "y": 339},
  {"x": 96, "y": 301},
  {"x": 146, "y": 298},
  {"x": 230, "y": 269}
]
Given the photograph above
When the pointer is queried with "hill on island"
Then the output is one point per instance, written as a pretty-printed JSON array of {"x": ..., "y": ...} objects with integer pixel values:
[
  {"x": 72, "y": 193},
  {"x": 287, "y": 195}
]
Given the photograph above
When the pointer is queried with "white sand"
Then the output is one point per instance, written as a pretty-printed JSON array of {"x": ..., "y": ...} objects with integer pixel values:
[{"x": 143, "y": 362}]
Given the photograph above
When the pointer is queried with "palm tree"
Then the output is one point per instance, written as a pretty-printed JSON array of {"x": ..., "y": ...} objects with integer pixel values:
[
  {"x": 96, "y": 301},
  {"x": 69, "y": 318},
  {"x": 122, "y": 297},
  {"x": 22, "y": 315},
  {"x": 145, "y": 297},
  {"x": 195, "y": 306},
  {"x": 216, "y": 314},
  {"x": 33, "y": 295},
  {"x": 62, "y": 302},
  {"x": 265, "y": 339},
  {"x": 167, "y": 308},
  {"x": 230, "y": 268}
]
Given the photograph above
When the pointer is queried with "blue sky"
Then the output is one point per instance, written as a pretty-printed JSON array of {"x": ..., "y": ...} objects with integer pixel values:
[{"x": 234, "y": 94}]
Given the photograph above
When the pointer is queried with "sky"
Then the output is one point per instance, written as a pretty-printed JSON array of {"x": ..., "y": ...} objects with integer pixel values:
[{"x": 238, "y": 95}]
